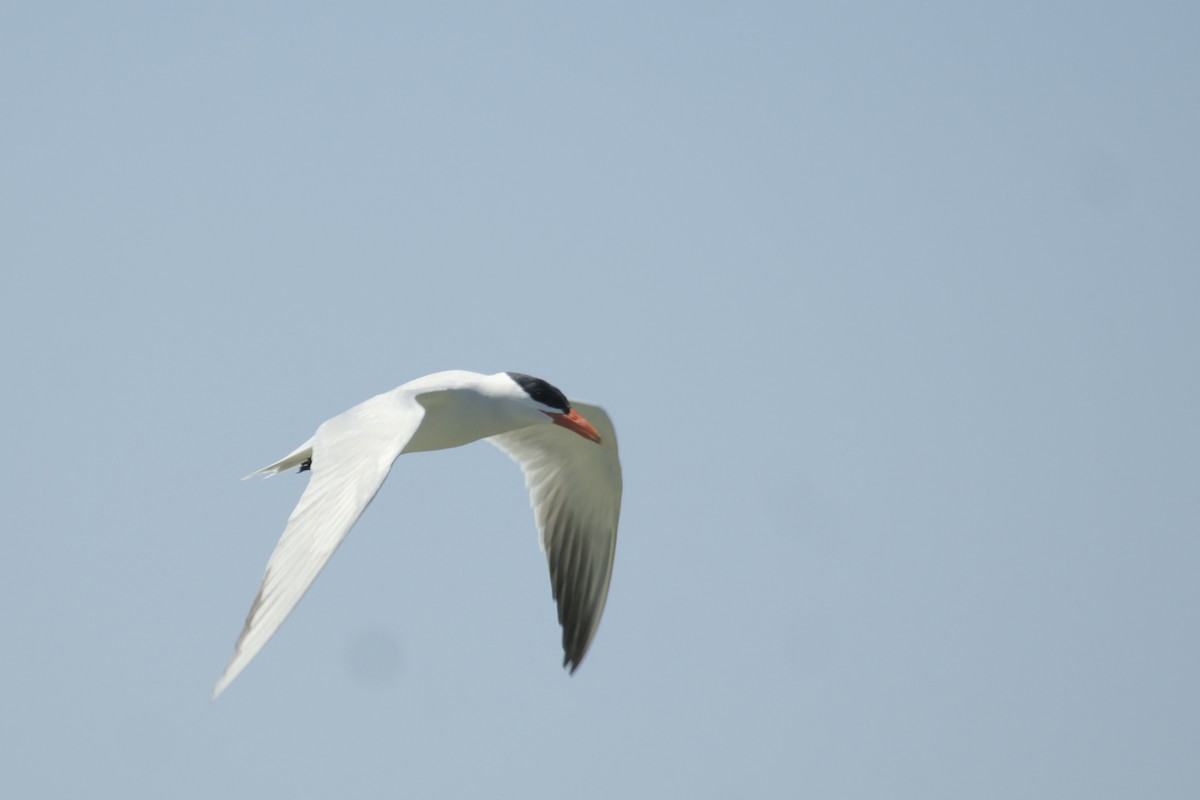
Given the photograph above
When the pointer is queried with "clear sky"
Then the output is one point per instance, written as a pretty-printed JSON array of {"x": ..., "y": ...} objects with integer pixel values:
[{"x": 896, "y": 308}]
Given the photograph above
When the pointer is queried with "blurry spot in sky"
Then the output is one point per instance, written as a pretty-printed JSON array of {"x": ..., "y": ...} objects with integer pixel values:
[
  {"x": 1102, "y": 182},
  {"x": 798, "y": 510},
  {"x": 809, "y": 642},
  {"x": 373, "y": 658}
]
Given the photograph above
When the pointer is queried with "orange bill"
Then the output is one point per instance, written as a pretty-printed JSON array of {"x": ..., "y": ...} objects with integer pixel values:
[{"x": 573, "y": 422}]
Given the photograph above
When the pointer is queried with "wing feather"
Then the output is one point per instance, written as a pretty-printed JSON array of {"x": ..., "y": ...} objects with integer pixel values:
[
  {"x": 575, "y": 489},
  {"x": 352, "y": 454}
]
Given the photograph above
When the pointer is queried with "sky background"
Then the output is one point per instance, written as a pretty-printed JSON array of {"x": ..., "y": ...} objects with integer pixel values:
[{"x": 896, "y": 308}]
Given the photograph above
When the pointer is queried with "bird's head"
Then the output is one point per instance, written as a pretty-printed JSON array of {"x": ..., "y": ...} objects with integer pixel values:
[{"x": 552, "y": 403}]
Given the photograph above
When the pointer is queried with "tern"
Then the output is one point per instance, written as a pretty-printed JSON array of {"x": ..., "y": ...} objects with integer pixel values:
[{"x": 571, "y": 470}]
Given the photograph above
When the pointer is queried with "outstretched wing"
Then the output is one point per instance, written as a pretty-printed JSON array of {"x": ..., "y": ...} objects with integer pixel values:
[
  {"x": 575, "y": 488},
  {"x": 351, "y": 456}
]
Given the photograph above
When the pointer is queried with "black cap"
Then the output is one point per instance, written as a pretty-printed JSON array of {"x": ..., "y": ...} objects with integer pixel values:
[{"x": 541, "y": 391}]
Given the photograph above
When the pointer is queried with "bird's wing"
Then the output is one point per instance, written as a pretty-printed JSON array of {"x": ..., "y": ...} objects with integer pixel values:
[
  {"x": 351, "y": 456},
  {"x": 575, "y": 489}
]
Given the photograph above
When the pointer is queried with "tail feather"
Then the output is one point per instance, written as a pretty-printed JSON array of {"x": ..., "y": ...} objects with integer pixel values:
[{"x": 293, "y": 459}]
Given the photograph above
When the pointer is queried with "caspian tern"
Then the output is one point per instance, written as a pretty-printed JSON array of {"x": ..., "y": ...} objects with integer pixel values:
[{"x": 570, "y": 464}]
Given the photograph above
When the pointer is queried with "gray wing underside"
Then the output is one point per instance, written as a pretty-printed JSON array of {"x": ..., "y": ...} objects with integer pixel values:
[
  {"x": 351, "y": 456},
  {"x": 575, "y": 489}
]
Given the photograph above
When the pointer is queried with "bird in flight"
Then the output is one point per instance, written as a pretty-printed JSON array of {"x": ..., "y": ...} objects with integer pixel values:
[{"x": 567, "y": 450}]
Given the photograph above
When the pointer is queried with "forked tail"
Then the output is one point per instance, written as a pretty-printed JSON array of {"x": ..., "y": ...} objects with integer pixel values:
[{"x": 293, "y": 459}]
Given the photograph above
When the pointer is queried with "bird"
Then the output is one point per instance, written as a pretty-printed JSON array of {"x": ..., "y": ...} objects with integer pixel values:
[{"x": 566, "y": 449}]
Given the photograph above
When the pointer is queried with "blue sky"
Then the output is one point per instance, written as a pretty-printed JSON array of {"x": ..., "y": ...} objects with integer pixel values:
[{"x": 895, "y": 309}]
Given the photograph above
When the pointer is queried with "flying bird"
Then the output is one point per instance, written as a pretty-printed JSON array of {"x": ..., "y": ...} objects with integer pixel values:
[{"x": 567, "y": 451}]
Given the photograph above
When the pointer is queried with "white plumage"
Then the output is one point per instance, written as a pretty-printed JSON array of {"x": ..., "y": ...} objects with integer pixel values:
[{"x": 567, "y": 450}]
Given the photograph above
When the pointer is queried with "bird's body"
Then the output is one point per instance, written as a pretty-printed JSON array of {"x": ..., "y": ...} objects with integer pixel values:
[{"x": 571, "y": 468}]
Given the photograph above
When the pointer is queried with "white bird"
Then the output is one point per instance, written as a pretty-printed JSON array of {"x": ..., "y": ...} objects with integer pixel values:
[{"x": 570, "y": 464}]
